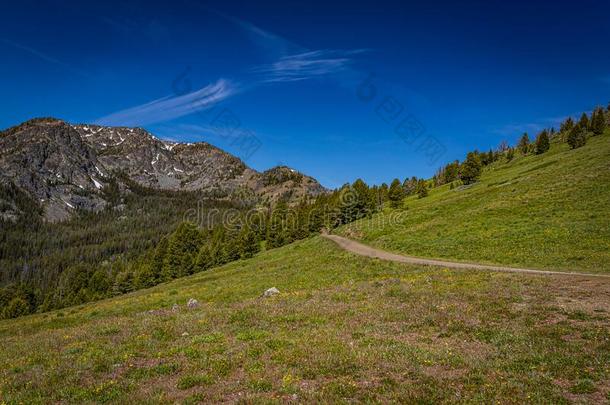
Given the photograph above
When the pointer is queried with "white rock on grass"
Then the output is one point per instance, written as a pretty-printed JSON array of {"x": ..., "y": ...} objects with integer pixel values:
[
  {"x": 270, "y": 292},
  {"x": 192, "y": 303}
]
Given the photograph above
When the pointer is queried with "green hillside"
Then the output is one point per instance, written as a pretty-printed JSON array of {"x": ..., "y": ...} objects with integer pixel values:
[
  {"x": 543, "y": 211},
  {"x": 346, "y": 328},
  {"x": 343, "y": 328}
]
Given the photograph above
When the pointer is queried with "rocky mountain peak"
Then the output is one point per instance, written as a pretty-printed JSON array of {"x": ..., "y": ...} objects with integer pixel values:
[{"x": 65, "y": 167}]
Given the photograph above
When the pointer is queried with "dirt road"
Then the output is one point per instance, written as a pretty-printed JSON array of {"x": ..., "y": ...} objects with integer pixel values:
[{"x": 364, "y": 250}]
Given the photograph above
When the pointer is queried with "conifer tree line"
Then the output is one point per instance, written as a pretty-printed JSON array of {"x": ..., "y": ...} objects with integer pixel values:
[
  {"x": 48, "y": 267},
  {"x": 573, "y": 133},
  {"x": 191, "y": 248}
]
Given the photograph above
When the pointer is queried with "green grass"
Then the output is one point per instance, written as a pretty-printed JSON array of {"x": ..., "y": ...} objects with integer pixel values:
[
  {"x": 344, "y": 329},
  {"x": 550, "y": 211},
  {"x": 347, "y": 328}
]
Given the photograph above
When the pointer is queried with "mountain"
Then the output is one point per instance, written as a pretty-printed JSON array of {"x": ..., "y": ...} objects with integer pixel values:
[{"x": 66, "y": 167}]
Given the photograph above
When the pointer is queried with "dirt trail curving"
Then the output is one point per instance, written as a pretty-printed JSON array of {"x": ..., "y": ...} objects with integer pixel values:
[{"x": 364, "y": 250}]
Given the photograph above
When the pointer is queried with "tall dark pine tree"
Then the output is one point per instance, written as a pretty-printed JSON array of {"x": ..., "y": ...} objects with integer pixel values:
[
  {"x": 452, "y": 171},
  {"x": 383, "y": 193},
  {"x": 395, "y": 194},
  {"x": 487, "y": 158},
  {"x": 348, "y": 201},
  {"x": 182, "y": 249},
  {"x": 524, "y": 143},
  {"x": 566, "y": 125},
  {"x": 158, "y": 260},
  {"x": 584, "y": 122},
  {"x": 471, "y": 168},
  {"x": 577, "y": 137},
  {"x": 542, "y": 142},
  {"x": 204, "y": 259},
  {"x": 598, "y": 121},
  {"x": 231, "y": 249},
  {"x": 365, "y": 201},
  {"x": 248, "y": 243},
  {"x": 409, "y": 186},
  {"x": 422, "y": 188},
  {"x": 277, "y": 234}
]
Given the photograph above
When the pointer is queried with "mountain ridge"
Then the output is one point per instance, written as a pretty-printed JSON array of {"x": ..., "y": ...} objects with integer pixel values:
[{"x": 65, "y": 167}]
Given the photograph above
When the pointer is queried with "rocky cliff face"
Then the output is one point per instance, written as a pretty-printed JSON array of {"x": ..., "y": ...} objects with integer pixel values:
[{"x": 66, "y": 167}]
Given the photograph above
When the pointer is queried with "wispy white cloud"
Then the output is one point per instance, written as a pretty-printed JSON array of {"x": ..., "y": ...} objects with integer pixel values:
[
  {"x": 43, "y": 56},
  {"x": 274, "y": 45},
  {"x": 265, "y": 39},
  {"x": 292, "y": 63},
  {"x": 170, "y": 107},
  {"x": 290, "y": 68},
  {"x": 306, "y": 65}
]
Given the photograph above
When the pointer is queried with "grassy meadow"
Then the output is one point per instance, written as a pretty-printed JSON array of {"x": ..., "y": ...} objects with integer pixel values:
[
  {"x": 549, "y": 211},
  {"x": 344, "y": 328},
  {"x": 350, "y": 329}
]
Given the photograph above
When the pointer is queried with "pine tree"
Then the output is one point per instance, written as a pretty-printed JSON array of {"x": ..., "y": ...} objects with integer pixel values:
[
  {"x": 347, "y": 204},
  {"x": 471, "y": 168},
  {"x": 248, "y": 243},
  {"x": 395, "y": 194},
  {"x": 542, "y": 142},
  {"x": 213, "y": 248},
  {"x": 452, "y": 171},
  {"x": 510, "y": 154},
  {"x": 383, "y": 193},
  {"x": 204, "y": 259},
  {"x": 276, "y": 231},
  {"x": 577, "y": 137},
  {"x": 365, "y": 201},
  {"x": 99, "y": 283},
  {"x": 598, "y": 121},
  {"x": 566, "y": 125},
  {"x": 123, "y": 282},
  {"x": 145, "y": 277},
  {"x": 583, "y": 123},
  {"x": 231, "y": 249},
  {"x": 487, "y": 158},
  {"x": 503, "y": 147},
  {"x": 524, "y": 143},
  {"x": 182, "y": 248},
  {"x": 15, "y": 308},
  {"x": 158, "y": 260},
  {"x": 422, "y": 188},
  {"x": 302, "y": 226},
  {"x": 276, "y": 237},
  {"x": 409, "y": 186}
]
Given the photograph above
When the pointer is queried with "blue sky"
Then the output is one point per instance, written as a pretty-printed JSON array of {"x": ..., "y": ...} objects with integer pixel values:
[{"x": 374, "y": 90}]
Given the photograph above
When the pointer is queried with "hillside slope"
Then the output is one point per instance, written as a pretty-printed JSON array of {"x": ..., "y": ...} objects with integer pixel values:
[
  {"x": 344, "y": 328},
  {"x": 546, "y": 211}
]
